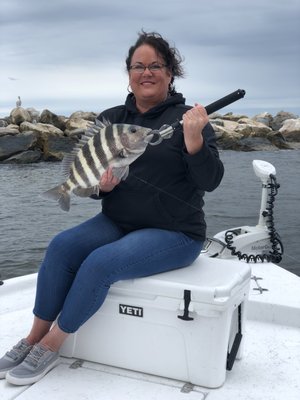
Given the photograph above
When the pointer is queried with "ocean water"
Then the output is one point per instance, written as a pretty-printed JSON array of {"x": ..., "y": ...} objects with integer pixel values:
[{"x": 28, "y": 222}]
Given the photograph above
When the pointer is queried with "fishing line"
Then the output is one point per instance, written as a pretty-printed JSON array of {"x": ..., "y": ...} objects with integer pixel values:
[{"x": 165, "y": 192}]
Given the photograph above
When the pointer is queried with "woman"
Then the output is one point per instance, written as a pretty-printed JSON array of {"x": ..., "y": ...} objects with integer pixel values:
[{"x": 150, "y": 223}]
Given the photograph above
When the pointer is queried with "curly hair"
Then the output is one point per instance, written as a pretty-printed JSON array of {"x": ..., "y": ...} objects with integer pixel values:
[{"x": 170, "y": 55}]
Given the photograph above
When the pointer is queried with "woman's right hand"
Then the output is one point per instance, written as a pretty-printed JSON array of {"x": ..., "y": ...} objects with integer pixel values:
[{"x": 108, "y": 181}]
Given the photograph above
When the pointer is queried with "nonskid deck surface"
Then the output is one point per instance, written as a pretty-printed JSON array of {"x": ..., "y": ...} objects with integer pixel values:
[{"x": 269, "y": 369}]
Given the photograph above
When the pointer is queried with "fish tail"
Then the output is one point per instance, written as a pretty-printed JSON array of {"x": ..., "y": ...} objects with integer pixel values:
[{"x": 60, "y": 194}]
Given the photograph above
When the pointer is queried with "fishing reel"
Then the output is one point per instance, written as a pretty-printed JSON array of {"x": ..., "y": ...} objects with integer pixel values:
[{"x": 252, "y": 243}]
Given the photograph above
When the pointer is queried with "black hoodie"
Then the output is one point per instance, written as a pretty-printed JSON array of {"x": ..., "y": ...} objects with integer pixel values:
[{"x": 166, "y": 185}]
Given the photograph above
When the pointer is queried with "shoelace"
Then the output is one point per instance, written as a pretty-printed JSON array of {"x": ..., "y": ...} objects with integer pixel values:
[
  {"x": 17, "y": 350},
  {"x": 35, "y": 355}
]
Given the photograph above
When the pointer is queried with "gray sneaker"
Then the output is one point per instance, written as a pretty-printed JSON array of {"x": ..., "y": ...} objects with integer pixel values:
[
  {"x": 14, "y": 357},
  {"x": 39, "y": 361}
]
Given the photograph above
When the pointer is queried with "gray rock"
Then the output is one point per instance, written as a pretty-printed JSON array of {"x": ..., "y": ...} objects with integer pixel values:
[
  {"x": 217, "y": 121},
  {"x": 19, "y": 115},
  {"x": 264, "y": 118},
  {"x": 55, "y": 148},
  {"x": 10, "y": 130},
  {"x": 89, "y": 116},
  {"x": 215, "y": 115},
  {"x": 41, "y": 129},
  {"x": 280, "y": 117},
  {"x": 11, "y": 145},
  {"x": 75, "y": 133},
  {"x": 249, "y": 127},
  {"x": 26, "y": 157},
  {"x": 255, "y": 144},
  {"x": 278, "y": 140},
  {"x": 233, "y": 117},
  {"x": 77, "y": 123},
  {"x": 291, "y": 129},
  {"x": 35, "y": 114},
  {"x": 48, "y": 117}
]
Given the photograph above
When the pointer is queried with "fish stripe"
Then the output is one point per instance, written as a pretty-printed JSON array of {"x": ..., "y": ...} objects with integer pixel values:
[
  {"x": 79, "y": 168},
  {"x": 90, "y": 166},
  {"x": 97, "y": 166},
  {"x": 72, "y": 178},
  {"x": 99, "y": 151},
  {"x": 111, "y": 137},
  {"x": 120, "y": 133},
  {"x": 75, "y": 177}
]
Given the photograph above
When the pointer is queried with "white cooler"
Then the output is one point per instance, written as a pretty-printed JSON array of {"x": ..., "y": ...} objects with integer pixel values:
[{"x": 185, "y": 324}]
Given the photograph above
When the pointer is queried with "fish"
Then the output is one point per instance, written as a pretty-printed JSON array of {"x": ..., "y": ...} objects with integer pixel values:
[{"x": 102, "y": 146}]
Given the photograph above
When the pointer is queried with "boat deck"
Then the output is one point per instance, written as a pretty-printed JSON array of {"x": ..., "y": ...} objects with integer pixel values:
[{"x": 269, "y": 369}]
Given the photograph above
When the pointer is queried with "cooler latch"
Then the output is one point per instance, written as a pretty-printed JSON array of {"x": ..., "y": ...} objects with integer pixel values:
[
  {"x": 187, "y": 300},
  {"x": 231, "y": 356}
]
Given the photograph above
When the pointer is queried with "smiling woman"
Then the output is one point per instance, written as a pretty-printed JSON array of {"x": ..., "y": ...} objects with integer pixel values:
[
  {"x": 152, "y": 66},
  {"x": 149, "y": 78},
  {"x": 141, "y": 230}
]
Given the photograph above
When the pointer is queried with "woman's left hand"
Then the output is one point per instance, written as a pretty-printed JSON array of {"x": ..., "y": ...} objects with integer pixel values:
[
  {"x": 108, "y": 181},
  {"x": 194, "y": 120}
]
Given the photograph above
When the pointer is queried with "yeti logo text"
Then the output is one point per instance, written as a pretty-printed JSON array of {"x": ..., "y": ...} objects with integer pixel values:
[{"x": 131, "y": 310}]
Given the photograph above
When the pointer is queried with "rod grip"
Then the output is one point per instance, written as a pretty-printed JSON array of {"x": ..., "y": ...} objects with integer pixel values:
[{"x": 225, "y": 101}]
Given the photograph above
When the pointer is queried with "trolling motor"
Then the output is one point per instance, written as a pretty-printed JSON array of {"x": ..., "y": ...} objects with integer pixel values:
[
  {"x": 166, "y": 131},
  {"x": 252, "y": 243}
]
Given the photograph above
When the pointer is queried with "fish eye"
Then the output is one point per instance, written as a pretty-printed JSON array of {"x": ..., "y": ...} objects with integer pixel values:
[{"x": 133, "y": 130}]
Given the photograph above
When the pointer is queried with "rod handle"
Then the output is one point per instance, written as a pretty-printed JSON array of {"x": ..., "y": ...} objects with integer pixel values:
[{"x": 225, "y": 101}]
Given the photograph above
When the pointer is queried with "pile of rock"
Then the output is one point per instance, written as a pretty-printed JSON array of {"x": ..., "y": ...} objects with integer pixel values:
[
  {"x": 27, "y": 136},
  {"x": 261, "y": 132}
]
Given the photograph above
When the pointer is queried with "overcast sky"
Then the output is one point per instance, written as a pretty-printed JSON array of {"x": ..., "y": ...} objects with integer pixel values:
[{"x": 70, "y": 55}]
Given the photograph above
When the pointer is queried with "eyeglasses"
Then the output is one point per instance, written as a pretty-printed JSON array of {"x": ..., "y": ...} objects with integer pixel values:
[{"x": 140, "y": 68}]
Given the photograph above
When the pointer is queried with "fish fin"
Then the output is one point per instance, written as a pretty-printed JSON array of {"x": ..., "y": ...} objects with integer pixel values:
[
  {"x": 102, "y": 124},
  {"x": 120, "y": 172},
  {"x": 60, "y": 194},
  {"x": 86, "y": 192},
  {"x": 123, "y": 153},
  {"x": 67, "y": 162}
]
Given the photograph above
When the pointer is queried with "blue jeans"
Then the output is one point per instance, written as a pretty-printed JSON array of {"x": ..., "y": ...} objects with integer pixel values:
[{"x": 82, "y": 262}]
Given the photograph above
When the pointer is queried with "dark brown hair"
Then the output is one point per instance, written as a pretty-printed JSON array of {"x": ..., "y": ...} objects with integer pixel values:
[{"x": 170, "y": 55}]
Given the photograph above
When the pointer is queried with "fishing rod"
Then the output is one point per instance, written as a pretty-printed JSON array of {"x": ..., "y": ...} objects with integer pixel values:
[{"x": 166, "y": 131}]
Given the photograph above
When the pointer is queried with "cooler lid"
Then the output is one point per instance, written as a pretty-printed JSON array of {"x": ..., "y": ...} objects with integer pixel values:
[{"x": 210, "y": 280}]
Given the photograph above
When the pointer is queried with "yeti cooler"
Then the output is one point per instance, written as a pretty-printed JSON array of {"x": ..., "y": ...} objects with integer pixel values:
[{"x": 186, "y": 324}]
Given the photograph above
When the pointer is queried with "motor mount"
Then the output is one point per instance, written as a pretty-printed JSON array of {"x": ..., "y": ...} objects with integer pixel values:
[{"x": 252, "y": 243}]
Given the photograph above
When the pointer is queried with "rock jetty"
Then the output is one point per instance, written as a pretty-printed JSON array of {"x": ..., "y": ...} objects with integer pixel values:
[{"x": 28, "y": 136}]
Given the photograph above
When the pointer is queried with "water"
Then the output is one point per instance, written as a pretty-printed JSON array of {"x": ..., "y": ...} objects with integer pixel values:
[{"x": 28, "y": 222}]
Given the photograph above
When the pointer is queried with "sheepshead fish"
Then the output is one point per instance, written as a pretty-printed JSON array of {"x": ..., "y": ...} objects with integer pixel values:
[{"x": 103, "y": 145}]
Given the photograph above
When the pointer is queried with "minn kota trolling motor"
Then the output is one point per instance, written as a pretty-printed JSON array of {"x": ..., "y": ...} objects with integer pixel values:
[{"x": 252, "y": 243}]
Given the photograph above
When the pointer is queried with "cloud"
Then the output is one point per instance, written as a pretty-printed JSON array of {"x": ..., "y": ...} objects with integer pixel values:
[{"x": 76, "y": 49}]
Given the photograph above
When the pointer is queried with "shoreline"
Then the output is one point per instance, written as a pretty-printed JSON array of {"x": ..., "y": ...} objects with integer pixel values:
[{"x": 28, "y": 136}]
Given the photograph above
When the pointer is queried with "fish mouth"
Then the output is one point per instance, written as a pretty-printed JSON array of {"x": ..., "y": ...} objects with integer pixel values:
[{"x": 149, "y": 137}]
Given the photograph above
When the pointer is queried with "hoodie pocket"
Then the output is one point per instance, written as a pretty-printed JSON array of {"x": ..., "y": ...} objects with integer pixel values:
[
  {"x": 176, "y": 209},
  {"x": 136, "y": 210}
]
